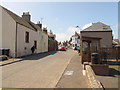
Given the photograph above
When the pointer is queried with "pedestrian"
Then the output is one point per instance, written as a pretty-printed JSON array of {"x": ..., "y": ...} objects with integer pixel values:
[{"x": 33, "y": 49}]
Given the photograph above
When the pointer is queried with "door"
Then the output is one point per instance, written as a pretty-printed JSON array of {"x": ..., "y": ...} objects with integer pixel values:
[{"x": 35, "y": 44}]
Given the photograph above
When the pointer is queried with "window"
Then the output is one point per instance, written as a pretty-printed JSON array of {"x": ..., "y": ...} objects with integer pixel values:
[
  {"x": 35, "y": 44},
  {"x": 27, "y": 37}
]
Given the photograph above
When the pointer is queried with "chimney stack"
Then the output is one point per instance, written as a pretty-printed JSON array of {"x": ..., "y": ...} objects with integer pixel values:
[
  {"x": 39, "y": 24},
  {"x": 26, "y": 16},
  {"x": 45, "y": 30}
]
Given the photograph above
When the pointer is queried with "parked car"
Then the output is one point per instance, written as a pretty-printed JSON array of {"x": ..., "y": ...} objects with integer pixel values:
[
  {"x": 62, "y": 49},
  {"x": 78, "y": 49}
]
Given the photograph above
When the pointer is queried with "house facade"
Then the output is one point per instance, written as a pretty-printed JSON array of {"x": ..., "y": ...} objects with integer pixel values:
[
  {"x": 99, "y": 30},
  {"x": 43, "y": 41},
  {"x": 75, "y": 40},
  {"x": 19, "y": 34}
]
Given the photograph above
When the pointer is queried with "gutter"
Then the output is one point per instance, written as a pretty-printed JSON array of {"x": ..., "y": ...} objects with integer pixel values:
[{"x": 16, "y": 41}]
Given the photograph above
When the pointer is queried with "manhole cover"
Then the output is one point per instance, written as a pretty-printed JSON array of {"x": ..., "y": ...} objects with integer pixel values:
[{"x": 69, "y": 72}]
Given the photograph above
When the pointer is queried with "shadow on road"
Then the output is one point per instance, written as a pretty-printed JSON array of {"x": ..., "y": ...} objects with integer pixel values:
[{"x": 38, "y": 56}]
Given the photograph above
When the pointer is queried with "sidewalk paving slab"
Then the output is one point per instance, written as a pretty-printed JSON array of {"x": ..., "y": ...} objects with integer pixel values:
[{"x": 73, "y": 76}]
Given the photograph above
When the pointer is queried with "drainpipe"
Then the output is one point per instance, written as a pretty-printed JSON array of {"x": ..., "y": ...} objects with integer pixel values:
[{"x": 16, "y": 41}]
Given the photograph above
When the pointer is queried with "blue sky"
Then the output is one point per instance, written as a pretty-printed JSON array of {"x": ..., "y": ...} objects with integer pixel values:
[{"x": 62, "y": 17}]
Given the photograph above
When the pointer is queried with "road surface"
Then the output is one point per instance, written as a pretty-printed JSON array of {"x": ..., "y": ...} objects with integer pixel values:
[{"x": 36, "y": 72}]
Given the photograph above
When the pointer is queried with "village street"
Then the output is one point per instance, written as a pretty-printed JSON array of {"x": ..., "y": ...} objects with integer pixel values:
[{"x": 36, "y": 72}]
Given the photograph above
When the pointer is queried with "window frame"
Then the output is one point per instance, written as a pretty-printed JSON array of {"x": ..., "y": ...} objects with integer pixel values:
[{"x": 27, "y": 37}]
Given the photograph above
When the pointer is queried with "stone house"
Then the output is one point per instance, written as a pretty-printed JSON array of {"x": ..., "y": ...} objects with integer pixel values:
[{"x": 99, "y": 30}]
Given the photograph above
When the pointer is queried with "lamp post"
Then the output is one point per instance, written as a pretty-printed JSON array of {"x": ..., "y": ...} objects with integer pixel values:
[
  {"x": 78, "y": 39},
  {"x": 78, "y": 28}
]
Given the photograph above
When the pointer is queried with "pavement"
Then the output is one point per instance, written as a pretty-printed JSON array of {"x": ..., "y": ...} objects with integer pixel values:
[
  {"x": 73, "y": 76},
  {"x": 113, "y": 79}
]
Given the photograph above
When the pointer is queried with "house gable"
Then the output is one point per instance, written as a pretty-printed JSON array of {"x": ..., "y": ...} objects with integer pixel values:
[
  {"x": 99, "y": 26},
  {"x": 20, "y": 20}
]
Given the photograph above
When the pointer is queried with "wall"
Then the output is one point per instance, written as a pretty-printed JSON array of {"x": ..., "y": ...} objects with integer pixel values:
[
  {"x": 93, "y": 83},
  {"x": 75, "y": 40},
  {"x": 21, "y": 44},
  {"x": 8, "y": 32},
  {"x": 0, "y": 27},
  {"x": 53, "y": 45},
  {"x": 106, "y": 40},
  {"x": 42, "y": 42}
]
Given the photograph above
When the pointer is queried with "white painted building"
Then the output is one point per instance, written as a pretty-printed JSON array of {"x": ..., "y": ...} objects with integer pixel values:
[
  {"x": 75, "y": 40},
  {"x": 19, "y": 34}
]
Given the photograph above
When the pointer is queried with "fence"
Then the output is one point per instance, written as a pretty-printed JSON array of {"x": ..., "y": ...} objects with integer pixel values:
[{"x": 110, "y": 53}]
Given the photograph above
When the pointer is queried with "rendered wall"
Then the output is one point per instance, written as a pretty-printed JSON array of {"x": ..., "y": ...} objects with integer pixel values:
[
  {"x": 24, "y": 48},
  {"x": 106, "y": 40},
  {"x": 8, "y": 32}
]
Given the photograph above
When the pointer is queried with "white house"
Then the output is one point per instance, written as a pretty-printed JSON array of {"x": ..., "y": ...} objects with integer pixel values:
[
  {"x": 75, "y": 40},
  {"x": 19, "y": 34}
]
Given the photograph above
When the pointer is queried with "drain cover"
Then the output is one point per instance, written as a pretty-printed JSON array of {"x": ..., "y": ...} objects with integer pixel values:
[{"x": 69, "y": 72}]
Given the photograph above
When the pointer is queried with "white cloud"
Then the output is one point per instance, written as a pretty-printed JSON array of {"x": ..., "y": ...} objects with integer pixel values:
[
  {"x": 86, "y": 26},
  {"x": 62, "y": 36},
  {"x": 73, "y": 29},
  {"x": 68, "y": 33}
]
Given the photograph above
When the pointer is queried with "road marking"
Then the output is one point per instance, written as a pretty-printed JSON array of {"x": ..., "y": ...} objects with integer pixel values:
[{"x": 69, "y": 72}]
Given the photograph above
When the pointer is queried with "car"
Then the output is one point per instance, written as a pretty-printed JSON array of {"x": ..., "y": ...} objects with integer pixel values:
[
  {"x": 78, "y": 49},
  {"x": 62, "y": 49}
]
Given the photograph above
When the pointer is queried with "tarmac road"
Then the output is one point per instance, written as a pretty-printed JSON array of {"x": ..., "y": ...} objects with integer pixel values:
[{"x": 36, "y": 72}]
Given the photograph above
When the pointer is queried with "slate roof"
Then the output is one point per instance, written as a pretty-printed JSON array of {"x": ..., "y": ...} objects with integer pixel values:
[
  {"x": 21, "y": 21},
  {"x": 99, "y": 26}
]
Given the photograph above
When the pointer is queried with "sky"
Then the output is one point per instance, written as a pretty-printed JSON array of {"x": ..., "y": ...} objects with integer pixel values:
[{"x": 63, "y": 17}]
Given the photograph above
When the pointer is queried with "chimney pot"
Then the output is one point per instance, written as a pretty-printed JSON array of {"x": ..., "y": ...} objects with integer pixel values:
[
  {"x": 39, "y": 24},
  {"x": 26, "y": 16}
]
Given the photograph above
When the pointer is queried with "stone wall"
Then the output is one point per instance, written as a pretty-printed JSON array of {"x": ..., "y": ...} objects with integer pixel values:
[{"x": 92, "y": 81}]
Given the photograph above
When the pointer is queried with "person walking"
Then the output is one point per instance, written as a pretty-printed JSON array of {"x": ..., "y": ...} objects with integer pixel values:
[{"x": 33, "y": 49}]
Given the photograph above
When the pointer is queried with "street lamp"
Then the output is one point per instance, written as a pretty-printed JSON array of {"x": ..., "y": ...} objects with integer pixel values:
[
  {"x": 78, "y": 28},
  {"x": 79, "y": 38}
]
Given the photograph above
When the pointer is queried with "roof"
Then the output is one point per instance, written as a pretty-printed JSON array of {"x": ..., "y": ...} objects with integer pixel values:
[
  {"x": 115, "y": 41},
  {"x": 99, "y": 26},
  {"x": 50, "y": 34},
  {"x": 76, "y": 34},
  {"x": 20, "y": 20},
  {"x": 35, "y": 26}
]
